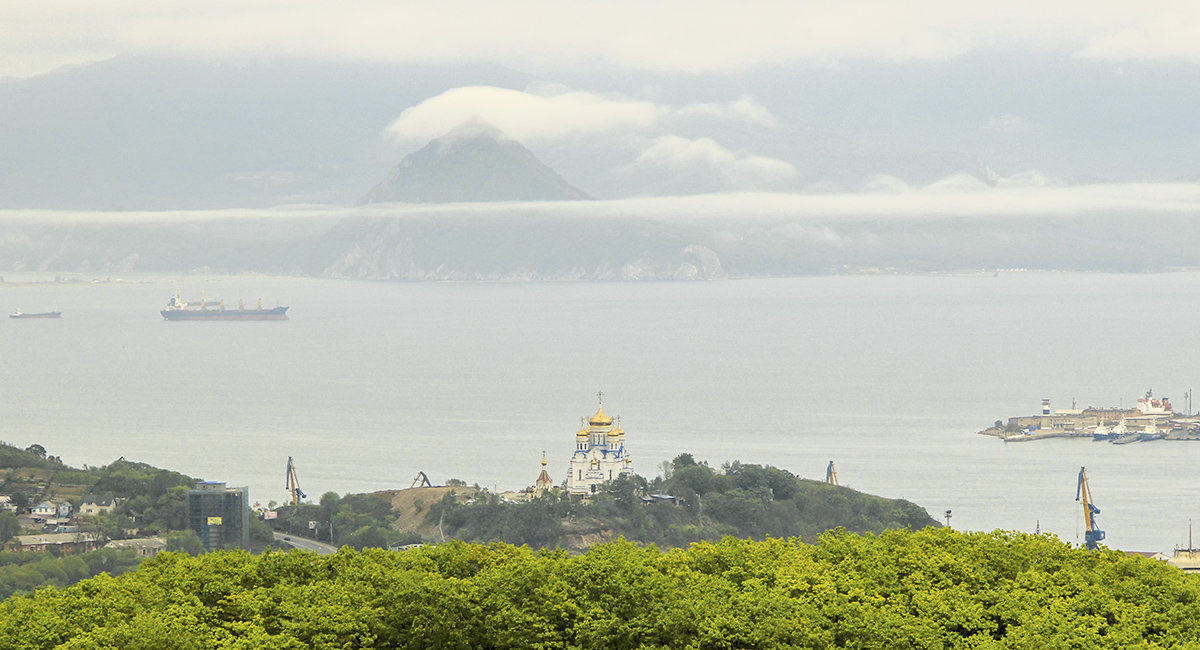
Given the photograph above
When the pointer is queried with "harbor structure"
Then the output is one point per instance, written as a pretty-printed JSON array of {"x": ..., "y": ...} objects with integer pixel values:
[
  {"x": 600, "y": 455},
  {"x": 220, "y": 515},
  {"x": 1151, "y": 419}
]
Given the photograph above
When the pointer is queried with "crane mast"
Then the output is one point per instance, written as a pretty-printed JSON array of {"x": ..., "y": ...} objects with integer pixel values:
[
  {"x": 831, "y": 474},
  {"x": 1092, "y": 535},
  {"x": 293, "y": 484}
]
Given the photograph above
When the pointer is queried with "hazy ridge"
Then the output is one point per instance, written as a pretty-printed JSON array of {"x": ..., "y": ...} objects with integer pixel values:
[{"x": 578, "y": 241}]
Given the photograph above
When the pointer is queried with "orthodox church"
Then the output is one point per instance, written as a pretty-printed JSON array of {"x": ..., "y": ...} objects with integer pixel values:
[
  {"x": 599, "y": 456},
  {"x": 544, "y": 483}
]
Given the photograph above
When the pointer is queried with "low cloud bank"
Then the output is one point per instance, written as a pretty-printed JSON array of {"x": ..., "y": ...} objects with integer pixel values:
[
  {"x": 948, "y": 226},
  {"x": 886, "y": 199}
]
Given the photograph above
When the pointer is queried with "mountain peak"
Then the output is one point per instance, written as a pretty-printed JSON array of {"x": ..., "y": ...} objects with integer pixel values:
[
  {"x": 475, "y": 161},
  {"x": 473, "y": 129}
]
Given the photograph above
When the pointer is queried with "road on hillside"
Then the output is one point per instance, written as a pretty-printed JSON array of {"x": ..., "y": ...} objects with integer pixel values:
[{"x": 305, "y": 544}]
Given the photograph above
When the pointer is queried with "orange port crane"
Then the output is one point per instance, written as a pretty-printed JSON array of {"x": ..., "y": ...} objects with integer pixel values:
[
  {"x": 1093, "y": 534},
  {"x": 293, "y": 484}
]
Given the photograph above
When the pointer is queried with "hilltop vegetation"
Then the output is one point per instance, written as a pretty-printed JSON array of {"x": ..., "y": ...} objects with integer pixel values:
[
  {"x": 932, "y": 588},
  {"x": 743, "y": 500},
  {"x": 150, "y": 499}
]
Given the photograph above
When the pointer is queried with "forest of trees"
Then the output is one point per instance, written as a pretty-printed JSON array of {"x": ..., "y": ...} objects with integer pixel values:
[{"x": 932, "y": 588}]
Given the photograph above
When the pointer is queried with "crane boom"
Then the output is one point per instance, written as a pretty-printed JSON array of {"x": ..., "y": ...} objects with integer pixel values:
[
  {"x": 1092, "y": 533},
  {"x": 293, "y": 484}
]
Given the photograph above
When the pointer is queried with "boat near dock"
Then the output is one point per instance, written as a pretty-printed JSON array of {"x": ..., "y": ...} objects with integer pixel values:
[{"x": 1103, "y": 434}]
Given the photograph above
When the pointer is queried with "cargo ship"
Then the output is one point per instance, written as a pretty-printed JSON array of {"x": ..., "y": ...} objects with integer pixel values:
[
  {"x": 180, "y": 309},
  {"x": 45, "y": 314}
]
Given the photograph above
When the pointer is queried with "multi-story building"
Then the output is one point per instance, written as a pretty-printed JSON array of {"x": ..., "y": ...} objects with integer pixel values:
[{"x": 220, "y": 515}]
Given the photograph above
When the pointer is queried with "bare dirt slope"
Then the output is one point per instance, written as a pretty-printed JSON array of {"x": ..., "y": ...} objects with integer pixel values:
[{"x": 411, "y": 506}]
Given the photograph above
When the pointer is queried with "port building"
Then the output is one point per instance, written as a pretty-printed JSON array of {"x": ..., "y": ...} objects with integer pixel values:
[
  {"x": 1147, "y": 411},
  {"x": 600, "y": 455},
  {"x": 220, "y": 515}
]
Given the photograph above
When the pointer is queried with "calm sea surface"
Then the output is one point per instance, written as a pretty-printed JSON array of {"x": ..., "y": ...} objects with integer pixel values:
[{"x": 368, "y": 383}]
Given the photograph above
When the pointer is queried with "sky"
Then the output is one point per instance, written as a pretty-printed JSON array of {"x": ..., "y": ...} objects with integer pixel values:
[
  {"x": 632, "y": 98},
  {"x": 538, "y": 35}
]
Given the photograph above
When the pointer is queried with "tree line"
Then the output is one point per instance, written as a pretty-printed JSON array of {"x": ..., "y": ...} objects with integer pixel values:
[{"x": 931, "y": 588}]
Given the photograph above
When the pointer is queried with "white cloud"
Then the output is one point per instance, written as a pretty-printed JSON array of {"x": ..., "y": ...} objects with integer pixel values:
[
  {"x": 1121, "y": 199},
  {"x": 525, "y": 117},
  {"x": 884, "y": 184},
  {"x": 1029, "y": 178},
  {"x": 1164, "y": 30},
  {"x": 958, "y": 183},
  {"x": 746, "y": 110},
  {"x": 621, "y": 127},
  {"x": 539, "y": 35},
  {"x": 674, "y": 154},
  {"x": 556, "y": 113},
  {"x": 1007, "y": 123}
]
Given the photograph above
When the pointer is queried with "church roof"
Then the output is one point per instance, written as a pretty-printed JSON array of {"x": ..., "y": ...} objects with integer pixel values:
[{"x": 600, "y": 419}]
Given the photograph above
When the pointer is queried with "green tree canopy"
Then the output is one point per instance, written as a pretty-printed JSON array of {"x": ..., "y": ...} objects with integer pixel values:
[{"x": 933, "y": 588}]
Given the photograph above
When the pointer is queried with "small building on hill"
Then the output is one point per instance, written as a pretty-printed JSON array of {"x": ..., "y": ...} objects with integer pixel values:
[
  {"x": 45, "y": 509},
  {"x": 544, "y": 482},
  {"x": 94, "y": 504},
  {"x": 144, "y": 546},
  {"x": 61, "y": 543}
]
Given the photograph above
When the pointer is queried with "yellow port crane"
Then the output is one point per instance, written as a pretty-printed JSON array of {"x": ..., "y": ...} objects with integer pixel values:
[
  {"x": 293, "y": 484},
  {"x": 1093, "y": 534},
  {"x": 831, "y": 474}
]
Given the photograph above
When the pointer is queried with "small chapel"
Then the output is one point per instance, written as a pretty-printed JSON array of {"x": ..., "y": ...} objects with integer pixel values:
[{"x": 600, "y": 454}]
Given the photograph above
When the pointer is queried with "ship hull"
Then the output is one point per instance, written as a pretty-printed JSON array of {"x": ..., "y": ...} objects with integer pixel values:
[
  {"x": 278, "y": 313},
  {"x": 49, "y": 314}
]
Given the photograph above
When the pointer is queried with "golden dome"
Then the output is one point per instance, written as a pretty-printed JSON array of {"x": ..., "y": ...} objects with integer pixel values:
[
  {"x": 583, "y": 433},
  {"x": 600, "y": 419}
]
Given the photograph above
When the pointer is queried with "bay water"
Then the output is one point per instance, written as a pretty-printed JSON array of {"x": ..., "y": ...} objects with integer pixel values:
[{"x": 369, "y": 383}]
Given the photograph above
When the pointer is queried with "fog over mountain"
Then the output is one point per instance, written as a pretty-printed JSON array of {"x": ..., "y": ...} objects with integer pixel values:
[
  {"x": 710, "y": 141},
  {"x": 473, "y": 162},
  {"x": 171, "y": 132}
]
